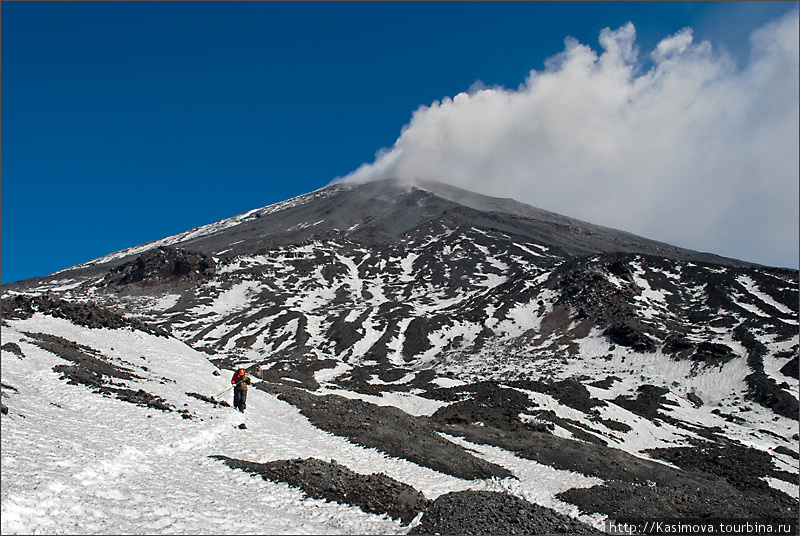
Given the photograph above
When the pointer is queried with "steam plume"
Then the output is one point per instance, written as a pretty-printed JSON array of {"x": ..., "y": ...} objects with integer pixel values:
[{"x": 694, "y": 151}]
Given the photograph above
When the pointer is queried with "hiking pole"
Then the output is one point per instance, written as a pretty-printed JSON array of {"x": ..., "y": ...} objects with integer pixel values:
[{"x": 225, "y": 391}]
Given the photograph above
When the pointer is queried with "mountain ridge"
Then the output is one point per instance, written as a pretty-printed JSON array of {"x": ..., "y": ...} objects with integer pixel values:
[{"x": 575, "y": 236}]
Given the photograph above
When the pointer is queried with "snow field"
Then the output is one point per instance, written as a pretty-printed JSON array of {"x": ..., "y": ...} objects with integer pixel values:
[
  {"x": 712, "y": 384},
  {"x": 77, "y": 462},
  {"x": 100, "y": 465},
  {"x": 644, "y": 434},
  {"x": 537, "y": 483},
  {"x": 410, "y": 403},
  {"x": 521, "y": 318}
]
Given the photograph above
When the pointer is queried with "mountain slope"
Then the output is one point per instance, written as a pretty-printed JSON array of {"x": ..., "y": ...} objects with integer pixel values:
[
  {"x": 495, "y": 334},
  {"x": 380, "y": 212}
]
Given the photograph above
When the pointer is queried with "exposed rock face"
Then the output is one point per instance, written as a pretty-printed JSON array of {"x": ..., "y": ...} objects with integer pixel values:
[{"x": 163, "y": 265}]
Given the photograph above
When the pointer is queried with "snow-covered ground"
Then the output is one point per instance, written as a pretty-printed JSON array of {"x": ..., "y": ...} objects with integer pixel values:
[{"x": 74, "y": 461}]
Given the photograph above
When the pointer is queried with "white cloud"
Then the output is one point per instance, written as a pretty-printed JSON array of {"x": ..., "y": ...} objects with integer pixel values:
[
  {"x": 673, "y": 45},
  {"x": 694, "y": 151}
]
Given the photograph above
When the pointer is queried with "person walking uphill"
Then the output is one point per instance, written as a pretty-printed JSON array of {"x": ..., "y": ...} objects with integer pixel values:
[{"x": 240, "y": 381}]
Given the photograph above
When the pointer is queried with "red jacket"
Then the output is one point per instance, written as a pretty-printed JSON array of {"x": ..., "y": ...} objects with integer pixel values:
[{"x": 240, "y": 381}]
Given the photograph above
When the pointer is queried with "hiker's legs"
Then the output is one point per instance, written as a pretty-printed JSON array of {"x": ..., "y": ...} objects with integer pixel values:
[
  {"x": 238, "y": 399},
  {"x": 242, "y": 400}
]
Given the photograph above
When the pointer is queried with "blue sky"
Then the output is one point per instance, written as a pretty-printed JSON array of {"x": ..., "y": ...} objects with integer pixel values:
[{"x": 126, "y": 122}]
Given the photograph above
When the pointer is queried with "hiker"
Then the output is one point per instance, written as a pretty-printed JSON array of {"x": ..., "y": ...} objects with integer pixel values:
[{"x": 240, "y": 381}]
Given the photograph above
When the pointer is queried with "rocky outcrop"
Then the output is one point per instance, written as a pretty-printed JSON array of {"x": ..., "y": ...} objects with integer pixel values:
[
  {"x": 94, "y": 370},
  {"x": 81, "y": 313},
  {"x": 375, "y": 493},
  {"x": 489, "y": 512},
  {"x": 161, "y": 266}
]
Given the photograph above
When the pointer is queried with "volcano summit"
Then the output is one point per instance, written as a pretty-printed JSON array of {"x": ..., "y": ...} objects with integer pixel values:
[{"x": 555, "y": 375}]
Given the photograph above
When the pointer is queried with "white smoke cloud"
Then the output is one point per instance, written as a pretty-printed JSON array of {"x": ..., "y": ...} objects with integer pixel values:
[{"x": 694, "y": 151}]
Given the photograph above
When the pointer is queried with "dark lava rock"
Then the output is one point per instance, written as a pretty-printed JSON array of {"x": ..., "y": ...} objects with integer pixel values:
[
  {"x": 416, "y": 340},
  {"x": 788, "y": 452},
  {"x": 84, "y": 314},
  {"x": 374, "y": 494},
  {"x": 720, "y": 482},
  {"x": 649, "y": 400},
  {"x": 489, "y": 512},
  {"x": 76, "y": 375},
  {"x": 711, "y": 499},
  {"x": 694, "y": 399},
  {"x": 13, "y": 348},
  {"x": 163, "y": 265},
  {"x": 625, "y": 335},
  {"x": 204, "y": 398},
  {"x": 91, "y": 362},
  {"x": 569, "y": 392},
  {"x": 486, "y": 403},
  {"x": 140, "y": 397},
  {"x": 299, "y": 370},
  {"x": 586, "y": 288},
  {"x": 576, "y": 428},
  {"x": 389, "y": 430},
  {"x": 568, "y": 454},
  {"x": 712, "y": 353},
  {"x": 678, "y": 345},
  {"x": 612, "y": 424},
  {"x": 790, "y": 369},
  {"x": 743, "y": 467},
  {"x": 606, "y": 383},
  {"x": 11, "y": 387},
  {"x": 763, "y": 390},
  {"x": 95, "y": 371},
  {"x": 3, "y": 407}
]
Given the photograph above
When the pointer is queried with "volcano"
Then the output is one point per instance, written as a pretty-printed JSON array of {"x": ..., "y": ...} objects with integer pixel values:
[{"x": 556, "y": 375}]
